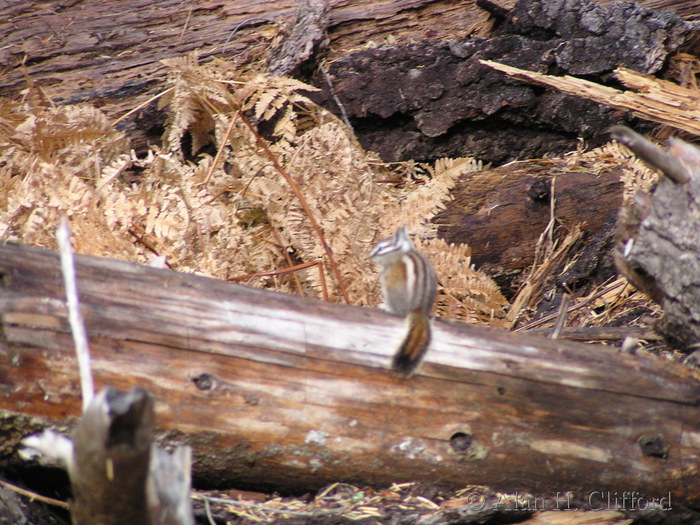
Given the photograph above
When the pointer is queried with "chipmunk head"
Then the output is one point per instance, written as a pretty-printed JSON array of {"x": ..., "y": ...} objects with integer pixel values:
[{"x": 396, "y": 245}]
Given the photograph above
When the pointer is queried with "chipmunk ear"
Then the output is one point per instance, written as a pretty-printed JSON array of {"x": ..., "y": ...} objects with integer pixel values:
[{"x": 402, "y": 237}]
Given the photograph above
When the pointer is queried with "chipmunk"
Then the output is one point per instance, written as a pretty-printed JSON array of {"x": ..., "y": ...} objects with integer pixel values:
[{"x": 409, "y": 286}]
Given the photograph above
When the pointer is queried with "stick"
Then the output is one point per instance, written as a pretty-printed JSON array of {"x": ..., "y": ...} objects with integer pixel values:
[{"x": 77, "y": 325}]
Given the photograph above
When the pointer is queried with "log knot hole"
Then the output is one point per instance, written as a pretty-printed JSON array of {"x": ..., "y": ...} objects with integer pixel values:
[
  {"x": 203, "y": 381},
  {"x": 461, "y": 442},
  {"x": 540, "y": 190},
  {"x": 653, "y": 446}
]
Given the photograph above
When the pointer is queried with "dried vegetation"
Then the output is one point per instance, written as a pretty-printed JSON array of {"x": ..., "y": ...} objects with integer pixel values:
[
  {"x": 255, "y": 183},
  {"x": 296, "y": 210}
]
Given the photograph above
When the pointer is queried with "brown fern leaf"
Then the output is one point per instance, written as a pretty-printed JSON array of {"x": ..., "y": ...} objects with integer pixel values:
[{"x": 465, "y": 294}]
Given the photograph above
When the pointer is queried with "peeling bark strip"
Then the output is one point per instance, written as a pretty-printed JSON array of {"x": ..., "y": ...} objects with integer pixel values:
[{"x": 286, "y": 392}]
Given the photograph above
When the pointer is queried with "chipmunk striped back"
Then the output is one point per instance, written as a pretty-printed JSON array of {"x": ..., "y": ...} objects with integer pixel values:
[{"x": 409, "y": 286}]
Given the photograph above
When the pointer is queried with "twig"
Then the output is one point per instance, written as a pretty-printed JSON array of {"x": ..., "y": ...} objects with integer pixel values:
[
  {"x": 241, "y": 24},
  {"x": 542, "y": 320},
  {"x": 140, "y": 234},
  {"x": 187, "y": 23},
  {"x": 281, "y": 271},
  {"x": 322, "y": 280},
  {"x": 74, "y": 316},
  {"x": 651, "y": 154},
  {"x": 561, "y": 316},
  {"x": 34, "y": 495},
  {"x": 295, "y": 276},
  {"x": 302, "y": 200},
  {"x": 245, "y": 188},
  {"x": 207, "y": 508},
  {"x": 335, "y": 98},
  {"x": 545, "y": 254},
  {"x": 263, "y": 507},
  {"x": 220, "y": 151},
  {"x": 141, "y": 106}
]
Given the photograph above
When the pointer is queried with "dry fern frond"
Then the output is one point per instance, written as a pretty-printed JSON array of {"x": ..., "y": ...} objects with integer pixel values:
[
  {"x": 51, "y": 160},
  {"x": 465, "y": 293},
  {"x": 635, "y": 174},
  {"x": 417, "y": 206},
  {"x": 337, "y": 181},
  {"x": 197, "y": 94}
]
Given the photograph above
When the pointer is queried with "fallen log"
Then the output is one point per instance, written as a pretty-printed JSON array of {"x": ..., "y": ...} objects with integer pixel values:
[{"x": 273, "y": 390}]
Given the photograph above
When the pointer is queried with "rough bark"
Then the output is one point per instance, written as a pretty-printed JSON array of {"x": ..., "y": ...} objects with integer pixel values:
[
  {"x": 434, "y": 99},
  {"x": 280, "y": 391},
  {"x": 108, "y": 53},
  {"x": 307, "y": 35},
  {"x": 658, "y": 239}
]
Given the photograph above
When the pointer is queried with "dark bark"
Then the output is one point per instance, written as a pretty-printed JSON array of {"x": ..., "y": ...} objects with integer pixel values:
[
  {"x": 501, "y": 213},
  {"x": 433, "y": 99}
]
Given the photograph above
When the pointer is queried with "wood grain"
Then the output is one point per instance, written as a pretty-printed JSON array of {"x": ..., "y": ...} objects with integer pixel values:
[{"x": 286, "y": 392}]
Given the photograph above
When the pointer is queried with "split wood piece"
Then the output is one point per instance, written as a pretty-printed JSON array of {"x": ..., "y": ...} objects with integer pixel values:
[
  {"x": 658, "y": 244},
  {"x": 659, "y": 100},
  {"x": 280, "y": 391},
  {"x": 117, "y": 475}
]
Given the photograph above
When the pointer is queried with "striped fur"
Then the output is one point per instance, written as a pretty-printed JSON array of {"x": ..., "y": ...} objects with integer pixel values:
[{"x": 409, "y": 286}]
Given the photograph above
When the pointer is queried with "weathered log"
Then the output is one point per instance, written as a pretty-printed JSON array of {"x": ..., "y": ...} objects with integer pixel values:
[
  {"x": 435, "y": 98},
  {"x": 281, "y": 391},
  {"x": 109, "y": 53}
]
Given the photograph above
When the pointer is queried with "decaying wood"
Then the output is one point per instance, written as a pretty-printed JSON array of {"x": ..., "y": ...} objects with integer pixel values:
[
  {"x": 435, "y": 98},
  {"x": 688, "y": 9},
  {"x": 109, "y": 53},
  {"x": 501, "y": 213},
  {"x": 282, "y": 391},
  {"x": 116, "y": 473}
]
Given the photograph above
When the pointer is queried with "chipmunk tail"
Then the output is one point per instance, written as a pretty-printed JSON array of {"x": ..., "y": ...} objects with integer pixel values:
[{"x": 414, "y": 345}]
